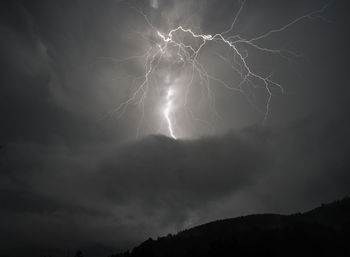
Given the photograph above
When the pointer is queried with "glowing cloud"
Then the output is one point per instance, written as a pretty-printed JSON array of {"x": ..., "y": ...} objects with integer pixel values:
[
  {"x": 170, "y": 48},
  {"x": 154, "y": 4}
]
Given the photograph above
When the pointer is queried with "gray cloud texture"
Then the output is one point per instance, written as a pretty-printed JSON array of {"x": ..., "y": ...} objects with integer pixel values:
[
  {"x": 73, "y": 177},
  {"x": 157, "y": 185}
]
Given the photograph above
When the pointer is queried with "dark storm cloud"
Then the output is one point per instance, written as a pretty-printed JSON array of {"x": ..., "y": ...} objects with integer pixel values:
[
  {"x": 55, "y": 78},
  {"x": 158, "y": 185},
  {"x": 183, "y": 174},
  {"x": 68, "y": 181}
]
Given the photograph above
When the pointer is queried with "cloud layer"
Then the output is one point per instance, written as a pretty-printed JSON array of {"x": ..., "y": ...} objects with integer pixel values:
[
  {"x": 73, "y": 176},
  {"x": 158, "y": 185}
]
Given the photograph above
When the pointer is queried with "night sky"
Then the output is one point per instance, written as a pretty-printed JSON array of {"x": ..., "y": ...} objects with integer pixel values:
[{"x": 87, "y": 159}]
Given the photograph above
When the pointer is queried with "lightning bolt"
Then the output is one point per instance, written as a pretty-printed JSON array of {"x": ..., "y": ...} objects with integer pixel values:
[
  {"x": 169, "y": 46},
  {"x": 167, "y": 111}
]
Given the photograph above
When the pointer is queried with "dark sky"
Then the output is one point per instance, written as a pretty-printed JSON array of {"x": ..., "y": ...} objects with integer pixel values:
[{"x": 76, "y": 172}]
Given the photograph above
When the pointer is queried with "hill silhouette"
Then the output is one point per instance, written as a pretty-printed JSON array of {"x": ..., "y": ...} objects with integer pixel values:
[{"x": 324, "y": 231}]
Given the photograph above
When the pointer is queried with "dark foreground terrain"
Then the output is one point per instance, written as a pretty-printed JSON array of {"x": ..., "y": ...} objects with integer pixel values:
[{"x": 324, "y": 231}]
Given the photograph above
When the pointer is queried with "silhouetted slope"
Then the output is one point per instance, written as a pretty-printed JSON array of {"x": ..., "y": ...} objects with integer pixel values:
[{"x": 324, "y": 231}]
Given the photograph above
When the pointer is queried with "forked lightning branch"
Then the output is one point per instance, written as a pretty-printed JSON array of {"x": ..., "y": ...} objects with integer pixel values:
[{"x": 187, "y": 52}]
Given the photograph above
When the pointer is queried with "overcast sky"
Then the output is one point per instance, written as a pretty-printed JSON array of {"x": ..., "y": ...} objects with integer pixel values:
[{"x": 80, "y": 170}]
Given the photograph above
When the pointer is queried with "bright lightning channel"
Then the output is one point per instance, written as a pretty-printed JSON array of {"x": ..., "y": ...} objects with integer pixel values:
[
  {"x": 167, "y": 111},
  {"x": 171, "y": 46}
]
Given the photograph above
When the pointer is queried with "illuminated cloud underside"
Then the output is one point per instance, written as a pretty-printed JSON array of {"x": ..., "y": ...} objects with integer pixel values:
[{"x": 170, "y": 46}]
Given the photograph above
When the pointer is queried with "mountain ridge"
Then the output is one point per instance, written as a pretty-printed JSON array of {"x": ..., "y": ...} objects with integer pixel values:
[{"x": 323, "y": 231}]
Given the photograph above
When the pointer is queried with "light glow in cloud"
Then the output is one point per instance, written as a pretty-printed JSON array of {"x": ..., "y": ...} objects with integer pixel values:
[{"x": 170, "y": 48}]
